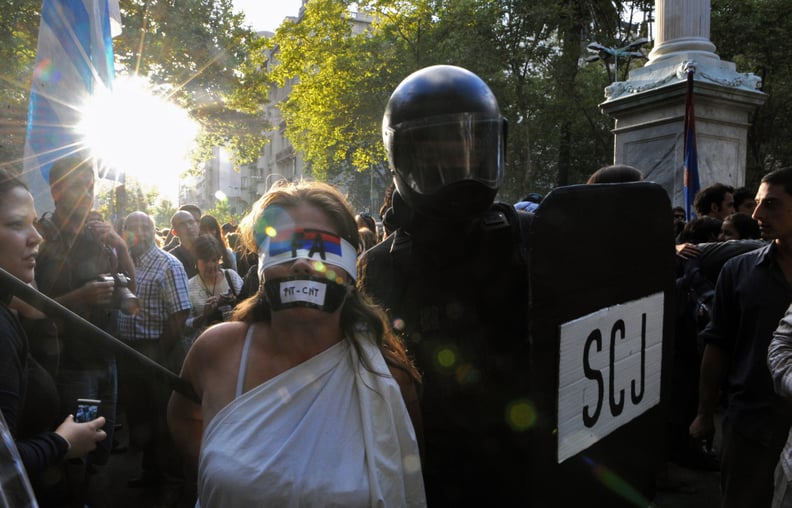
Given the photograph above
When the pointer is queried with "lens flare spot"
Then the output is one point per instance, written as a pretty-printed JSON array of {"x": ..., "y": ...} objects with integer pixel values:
[
  {"x": 521, "y": 415},
  {"x": 47, "y": 71},
  {"x": 331, "y": 274},
  {"x": 446, "y": 357},
  {"x": 129, "y": 237},
  {"x": 262, "y": 231},
  {"x": 411, "y": 463},
  {"x": 399, "y": 325},
  {"x": 466, "y": 374},
  {"x": 319, "y": 266},
  {"x": 615, "y": 483},
  {"x": 284, "y": 395}
]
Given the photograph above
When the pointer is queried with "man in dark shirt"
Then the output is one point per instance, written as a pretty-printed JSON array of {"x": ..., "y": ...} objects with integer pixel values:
[
  {"x": 716, "y": 200},
  {"x": 752, "y": 294},
  {"x": 173, "y": 241},
  {"x": 186, "y": 228},
  {"x": 79, "y": 251}
]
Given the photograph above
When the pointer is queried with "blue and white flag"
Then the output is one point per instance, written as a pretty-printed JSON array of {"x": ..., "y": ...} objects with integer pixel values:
[
  {"x": 692, "y": 184},
  {"x": 74, "y": 59}
]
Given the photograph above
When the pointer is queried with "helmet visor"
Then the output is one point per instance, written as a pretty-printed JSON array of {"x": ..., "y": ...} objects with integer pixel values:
[{"x": 435, "y": 152}]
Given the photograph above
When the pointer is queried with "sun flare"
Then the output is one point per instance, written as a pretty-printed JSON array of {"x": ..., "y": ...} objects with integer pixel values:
[{"x": 137, "y": 131}]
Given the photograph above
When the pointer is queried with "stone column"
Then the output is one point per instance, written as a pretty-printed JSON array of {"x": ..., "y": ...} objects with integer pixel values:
[
  {"x": 682, "y": 25},
  {"x": 649, "y": 108}
]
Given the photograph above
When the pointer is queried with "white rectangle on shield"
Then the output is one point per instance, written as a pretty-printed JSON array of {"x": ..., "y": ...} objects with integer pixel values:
[{"x": 609, "y": 371}]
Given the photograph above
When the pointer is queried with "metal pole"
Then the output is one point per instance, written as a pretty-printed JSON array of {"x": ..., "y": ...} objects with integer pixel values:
[{"x": 13, "y": 286}]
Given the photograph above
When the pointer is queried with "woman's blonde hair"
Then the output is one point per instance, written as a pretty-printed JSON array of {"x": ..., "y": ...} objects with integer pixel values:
[{"x": 359, "y": 314}]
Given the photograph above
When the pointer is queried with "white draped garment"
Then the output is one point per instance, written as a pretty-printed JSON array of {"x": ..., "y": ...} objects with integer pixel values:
[{"x": 327, "y": 432}]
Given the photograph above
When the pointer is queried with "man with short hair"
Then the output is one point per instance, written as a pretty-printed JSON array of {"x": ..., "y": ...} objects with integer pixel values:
[
  {"x": 752, "y": 294},
  {"x": 78, "y": 254},
  {"x": 187, "y": 229},
  {"x": 680, "y": 219},
  {"x": 744, "y": 201},
  {"x": 195, "y": 211},
  {"x": 156, "y": 331},
  {"x": 716, "y": 200}
]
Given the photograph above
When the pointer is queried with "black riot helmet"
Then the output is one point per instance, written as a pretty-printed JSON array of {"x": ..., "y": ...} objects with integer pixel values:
[{"x": 445, "y": 139}]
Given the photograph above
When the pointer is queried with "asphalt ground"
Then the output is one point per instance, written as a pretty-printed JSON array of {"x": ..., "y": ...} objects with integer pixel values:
[
  {"x": 109, "y": 488},
  {"x": 677, "y": 486},
  {"x": 680, "y": 487}
]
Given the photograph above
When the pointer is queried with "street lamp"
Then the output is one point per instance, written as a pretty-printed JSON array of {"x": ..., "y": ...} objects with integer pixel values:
[{"x": 605, "y": 54}]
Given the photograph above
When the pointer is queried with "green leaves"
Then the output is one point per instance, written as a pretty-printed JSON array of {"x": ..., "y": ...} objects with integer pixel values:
[
  {"x": 203, "y": 52},
  {"x": 743, "y": 35},
  {"x": 342, "y": 72}
]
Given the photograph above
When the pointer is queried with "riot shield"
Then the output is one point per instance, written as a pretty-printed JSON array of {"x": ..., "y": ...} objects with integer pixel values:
[{"x": 601, "y": 281}]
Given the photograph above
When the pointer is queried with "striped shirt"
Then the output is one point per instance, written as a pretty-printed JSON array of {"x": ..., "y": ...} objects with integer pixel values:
[{"x": 161, "y": 288}]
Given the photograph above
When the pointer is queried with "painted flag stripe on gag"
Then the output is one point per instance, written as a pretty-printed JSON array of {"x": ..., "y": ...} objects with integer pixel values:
[{"x": 304, "y": 239}]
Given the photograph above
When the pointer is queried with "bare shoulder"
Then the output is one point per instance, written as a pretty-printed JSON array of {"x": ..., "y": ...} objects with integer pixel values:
[
  {"x": 213, "y": 350},
  {"x": 212, "y": 363},
  {"x": 220, "y": 338}
]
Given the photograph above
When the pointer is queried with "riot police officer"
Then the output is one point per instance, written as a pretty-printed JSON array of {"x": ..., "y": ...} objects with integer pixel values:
[{"x": 453, "y": 278}]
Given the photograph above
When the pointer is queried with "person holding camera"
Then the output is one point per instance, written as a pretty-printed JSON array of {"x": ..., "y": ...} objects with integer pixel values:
[
  {"x": 28, "y": 396},
  {"x": 79, "y": 252},
  {"x": 214, "y": 290},
  {"x": 208, "y": 225}
]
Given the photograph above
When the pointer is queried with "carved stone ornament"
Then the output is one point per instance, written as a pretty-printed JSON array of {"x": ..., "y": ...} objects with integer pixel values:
[{"x": 719, "y": 75}]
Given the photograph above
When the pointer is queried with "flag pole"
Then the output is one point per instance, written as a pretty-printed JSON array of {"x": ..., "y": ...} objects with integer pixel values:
[{"x": 692, "y": 184}]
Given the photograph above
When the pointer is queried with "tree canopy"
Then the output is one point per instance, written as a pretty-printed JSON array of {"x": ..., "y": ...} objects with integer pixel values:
[
  {"x": 743, "y": 35},
  {"x": 341, "y": 74},
  {"x": 528, "y": 52},
  {"x": 19, "y": 20}
]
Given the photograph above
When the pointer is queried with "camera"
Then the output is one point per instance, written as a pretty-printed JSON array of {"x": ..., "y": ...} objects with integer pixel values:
[
  {"x": 87, "y": 410},
  {"x": 226, "y": 299},
  {"x": 123, "y": 299},
  {"x": 225, "y": 305}
]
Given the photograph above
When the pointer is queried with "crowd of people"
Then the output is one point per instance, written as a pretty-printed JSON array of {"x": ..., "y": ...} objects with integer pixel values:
[
  {"x": 335, "y": 360},
  {"x": 734, "y": 288}
]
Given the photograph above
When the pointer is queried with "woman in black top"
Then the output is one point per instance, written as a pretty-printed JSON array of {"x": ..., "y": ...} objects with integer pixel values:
[{"x": 28, "y": 398}]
